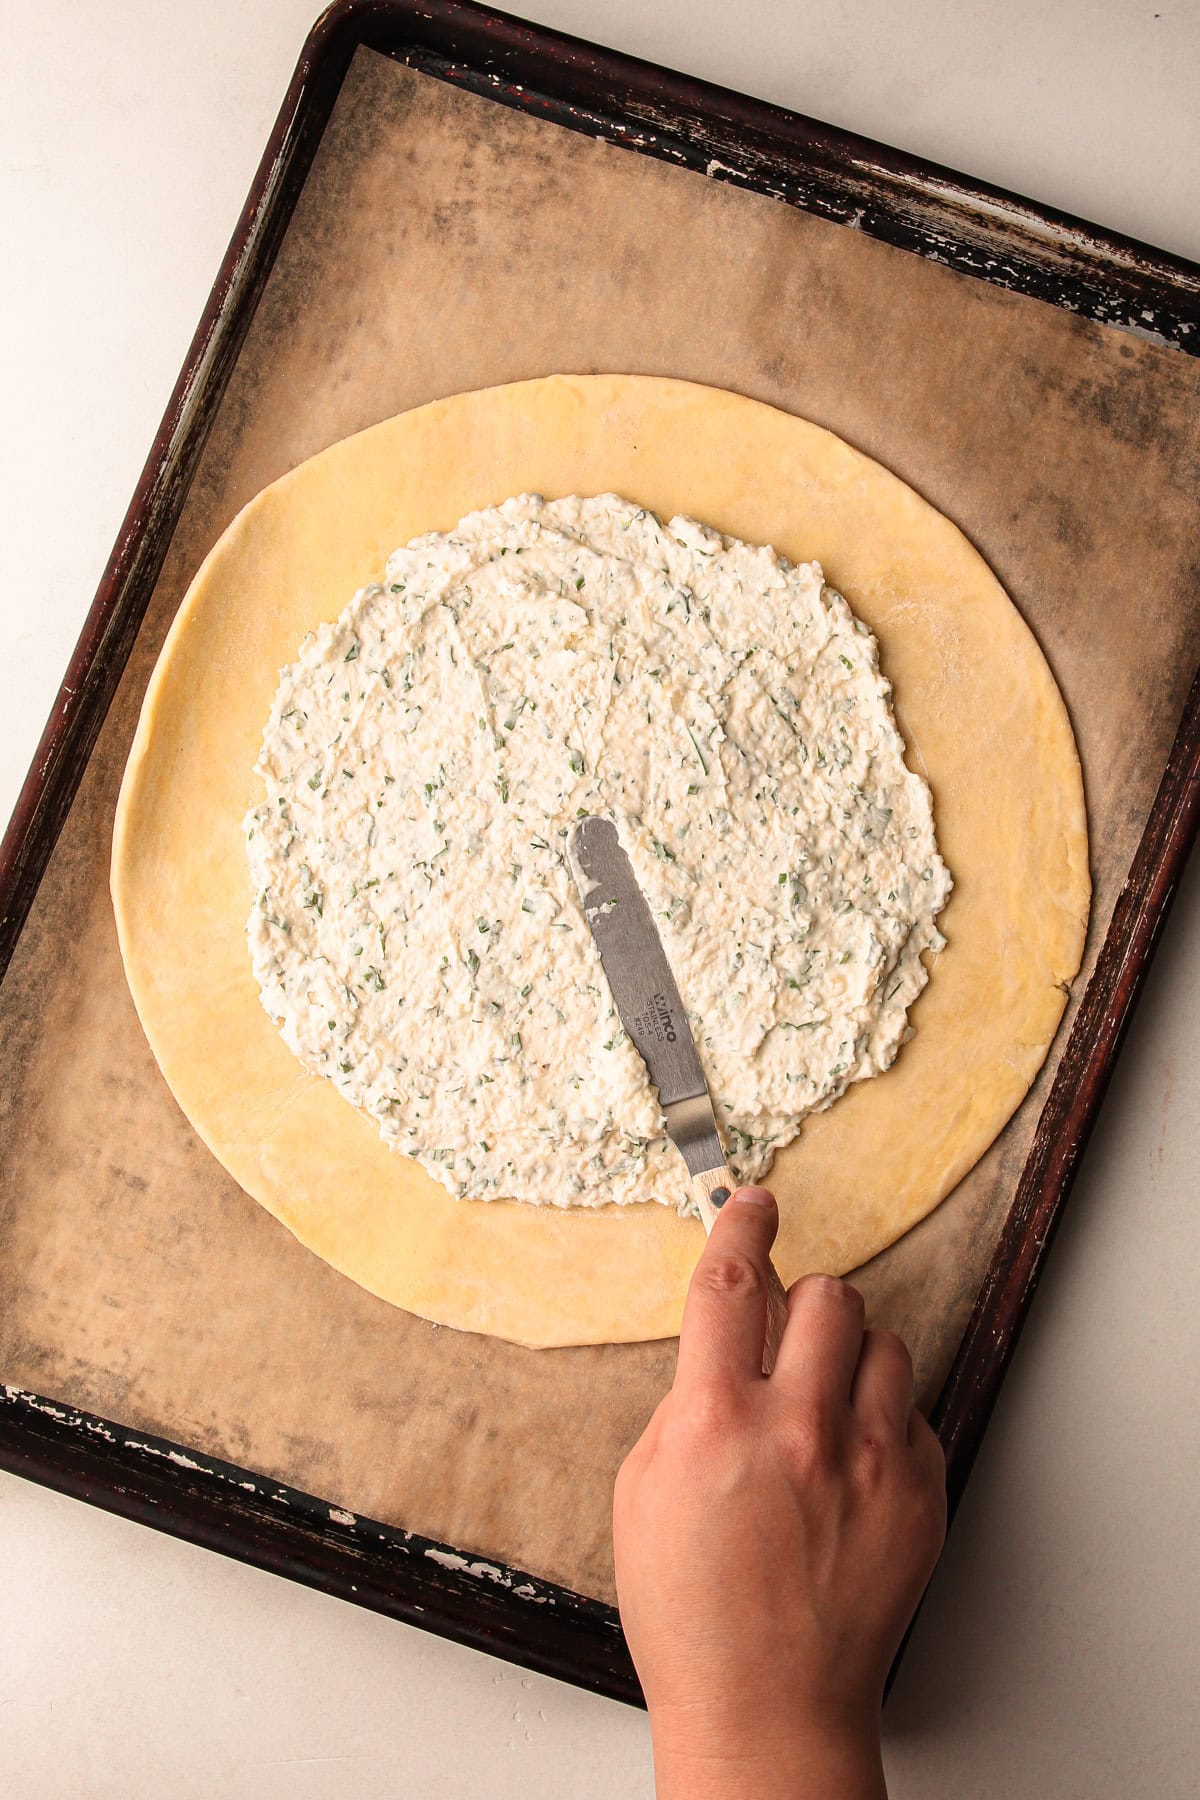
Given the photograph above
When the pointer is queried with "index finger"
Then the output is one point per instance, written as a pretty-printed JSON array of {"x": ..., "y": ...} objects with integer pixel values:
[{"x": 725, "y": 1318}]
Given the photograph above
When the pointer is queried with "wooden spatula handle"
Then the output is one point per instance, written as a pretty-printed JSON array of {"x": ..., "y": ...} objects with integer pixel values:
[{"x": 710, "y": 1191}]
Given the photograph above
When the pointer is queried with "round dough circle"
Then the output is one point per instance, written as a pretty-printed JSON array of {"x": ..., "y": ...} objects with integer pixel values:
[{"x": 974, "y": 699}]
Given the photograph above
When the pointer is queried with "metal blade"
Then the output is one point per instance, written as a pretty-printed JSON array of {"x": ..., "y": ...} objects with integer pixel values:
[{"x": 644, "y": 988}]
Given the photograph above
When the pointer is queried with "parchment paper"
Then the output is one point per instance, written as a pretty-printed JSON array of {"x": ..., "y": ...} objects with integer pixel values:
[{"x": 444, "y": 243}]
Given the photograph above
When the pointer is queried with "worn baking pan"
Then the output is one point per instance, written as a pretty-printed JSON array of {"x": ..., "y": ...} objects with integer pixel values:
[{"x": 994, "y": 238}]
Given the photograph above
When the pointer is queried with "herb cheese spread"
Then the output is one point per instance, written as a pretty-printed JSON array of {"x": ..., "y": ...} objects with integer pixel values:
[{"x": 415, "y": 931}]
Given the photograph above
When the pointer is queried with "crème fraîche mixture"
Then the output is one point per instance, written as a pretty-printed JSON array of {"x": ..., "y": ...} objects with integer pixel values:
[{"x": 415, "y": 931}]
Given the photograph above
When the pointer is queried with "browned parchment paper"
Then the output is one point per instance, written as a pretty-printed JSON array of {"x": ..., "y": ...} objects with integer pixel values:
[{"x": 444, "y": 243}]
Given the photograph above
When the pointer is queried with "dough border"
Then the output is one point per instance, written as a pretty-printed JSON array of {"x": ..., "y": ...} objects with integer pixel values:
[{"x": 975, "y": 701}]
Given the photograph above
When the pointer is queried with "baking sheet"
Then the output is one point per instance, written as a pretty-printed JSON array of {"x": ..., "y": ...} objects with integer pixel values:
[{"x": 445, "y": 243}]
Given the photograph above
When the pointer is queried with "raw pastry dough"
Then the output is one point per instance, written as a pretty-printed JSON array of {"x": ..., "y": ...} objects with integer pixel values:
[{"x": 974, "y": 698}]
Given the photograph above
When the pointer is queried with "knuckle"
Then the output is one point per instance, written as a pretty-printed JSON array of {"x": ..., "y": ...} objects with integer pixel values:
[
  {"x": 937, "y": 1453},
  {"x": 827, "y": 1290},
  {"x": 890, "y": 1343},
  {"x": 889, "y": 1355},
  {"x": 707, "y": 1414},
  {"x": 811, "y": 1442},
  {"x": 731, "y": 1272},
  {"x": 926, "y": 1488},
  {"x": 928, "y": 1446},
  {"x": 876, "y": 1464},
  {"x": 630, "y": 1469},
  {"x": 633, "y": 1496},
  {"x": 927, "y": 1503}
]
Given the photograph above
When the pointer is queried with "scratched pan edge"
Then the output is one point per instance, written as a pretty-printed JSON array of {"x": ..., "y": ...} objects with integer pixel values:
[
  {"x": 221, "y": 1506},
  {"x": 885, "y": 194}
]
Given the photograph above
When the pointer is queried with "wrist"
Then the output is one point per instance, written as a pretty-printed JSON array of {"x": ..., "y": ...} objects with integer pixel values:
[{"x": 719, "y": 1754}]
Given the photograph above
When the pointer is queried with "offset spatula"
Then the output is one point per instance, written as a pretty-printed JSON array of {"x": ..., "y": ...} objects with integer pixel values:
[{"x": 652, "y": 1013}]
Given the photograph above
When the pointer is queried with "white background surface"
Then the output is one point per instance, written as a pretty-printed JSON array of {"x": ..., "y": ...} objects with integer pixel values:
[{"x": 1057, "y": 1651}]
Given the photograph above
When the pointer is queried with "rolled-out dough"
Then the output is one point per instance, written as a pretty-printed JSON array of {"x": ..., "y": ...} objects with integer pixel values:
[{"x": 975, "y": 700}]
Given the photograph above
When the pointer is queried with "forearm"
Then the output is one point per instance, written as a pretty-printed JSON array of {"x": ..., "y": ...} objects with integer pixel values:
[{"x": 795, "y": 1763}]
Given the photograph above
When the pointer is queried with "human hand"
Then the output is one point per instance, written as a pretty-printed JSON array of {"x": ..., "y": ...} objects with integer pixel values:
[{"x": 773, "y": 1534}]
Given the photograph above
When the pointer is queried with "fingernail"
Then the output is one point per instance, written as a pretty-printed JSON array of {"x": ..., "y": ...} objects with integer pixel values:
[{"x": 755, "y": 1196}]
